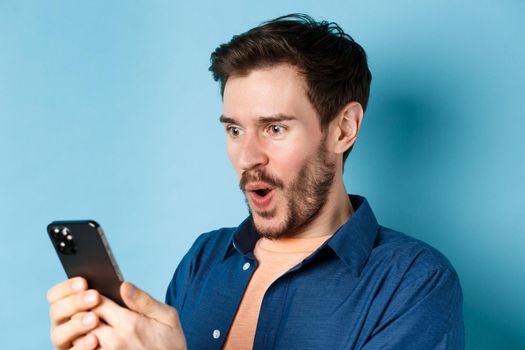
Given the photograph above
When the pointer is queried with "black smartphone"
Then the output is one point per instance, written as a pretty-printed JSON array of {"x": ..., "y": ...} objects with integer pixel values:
[{"x": 84, "y": 251}]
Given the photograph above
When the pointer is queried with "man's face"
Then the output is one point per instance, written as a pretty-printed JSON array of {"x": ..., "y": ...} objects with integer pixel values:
[{"x": 276, "y": 146}]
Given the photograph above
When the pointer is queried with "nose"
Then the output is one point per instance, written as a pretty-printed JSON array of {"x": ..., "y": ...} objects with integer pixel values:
[{"x": 252, "y": 153}]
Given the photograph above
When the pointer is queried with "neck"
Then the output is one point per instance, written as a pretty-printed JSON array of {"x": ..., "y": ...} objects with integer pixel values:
[{"x": 336, "y": 211}]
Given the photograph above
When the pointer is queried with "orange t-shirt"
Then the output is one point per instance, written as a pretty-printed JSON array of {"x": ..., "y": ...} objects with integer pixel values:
[{"x": 274, "y": 258}]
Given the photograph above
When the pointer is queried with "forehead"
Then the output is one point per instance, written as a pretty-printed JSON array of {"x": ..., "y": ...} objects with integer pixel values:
[{"x": 279, "y": 89}]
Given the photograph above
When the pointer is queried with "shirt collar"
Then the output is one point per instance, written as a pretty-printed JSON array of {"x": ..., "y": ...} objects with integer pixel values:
[
  {"x": 352, "y": 242},
  {"x": 244, "y": 237}
]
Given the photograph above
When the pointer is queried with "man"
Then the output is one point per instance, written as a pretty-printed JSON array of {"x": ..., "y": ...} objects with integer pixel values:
[{"x": 310, "y": 268}]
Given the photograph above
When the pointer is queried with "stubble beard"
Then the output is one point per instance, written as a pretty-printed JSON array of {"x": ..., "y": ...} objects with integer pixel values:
[{"x": 305, "y": 196}]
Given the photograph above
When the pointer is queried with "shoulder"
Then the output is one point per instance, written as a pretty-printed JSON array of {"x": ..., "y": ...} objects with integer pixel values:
[
  {"x": 211, "y": 244},
  {"x": 408, "y": 257},
  {"x": 207, "y": 249},
  {"x": 418, "y": 291}
]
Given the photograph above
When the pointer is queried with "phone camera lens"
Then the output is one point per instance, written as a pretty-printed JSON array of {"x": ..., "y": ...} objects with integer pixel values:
[
  {"x": 64, "y": 240},
  {"x": 56, "y": 232}
]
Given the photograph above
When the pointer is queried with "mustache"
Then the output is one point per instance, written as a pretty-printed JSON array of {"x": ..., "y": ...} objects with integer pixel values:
[{"x": 259, "y": 175}]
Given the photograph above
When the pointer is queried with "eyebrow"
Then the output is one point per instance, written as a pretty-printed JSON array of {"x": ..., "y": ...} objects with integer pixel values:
[{"x": 261, "y": 120}]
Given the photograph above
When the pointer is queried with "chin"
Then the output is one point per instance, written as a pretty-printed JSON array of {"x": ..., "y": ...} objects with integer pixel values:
[{"x": 269, "y": 228}]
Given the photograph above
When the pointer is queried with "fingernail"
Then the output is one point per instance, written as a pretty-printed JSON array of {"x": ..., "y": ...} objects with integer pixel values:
[
  {"x": 130, "y": 290},
  {"x": 90, "y": 341},
  {"x": 78, "y": 285},
  {"x": 89, "y": 319},
  {"x": 90, "y": 298}
]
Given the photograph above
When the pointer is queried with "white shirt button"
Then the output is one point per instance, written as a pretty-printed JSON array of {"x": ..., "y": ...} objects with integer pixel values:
[
  {"x": 216, "y": 334},
  {"x": 246, "y": 266}
]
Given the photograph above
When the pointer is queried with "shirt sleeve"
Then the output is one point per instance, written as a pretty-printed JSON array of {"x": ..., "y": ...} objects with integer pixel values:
[
  {"x": 184, "y": 273},
  {"x": 176, "y": 289},
  {"x": 425, "y": 313}
]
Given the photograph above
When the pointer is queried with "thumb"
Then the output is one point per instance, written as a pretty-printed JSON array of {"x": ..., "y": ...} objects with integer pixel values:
[{"x": 143, "y": 303}]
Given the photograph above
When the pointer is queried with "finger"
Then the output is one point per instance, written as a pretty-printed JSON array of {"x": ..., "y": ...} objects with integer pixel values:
[
  {"x": 141, "y": 302},
  {"x": 66, "y": 288},
  {"x": 63, "y": 309},
  {"x": 63, "y": 335},
  {"x": 107, "y": 337},
  {"x": 87, "y": 342},
  {"x": 112, "y": 313}
]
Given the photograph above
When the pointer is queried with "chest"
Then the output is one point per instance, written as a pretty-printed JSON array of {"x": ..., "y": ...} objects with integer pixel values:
[{"x": 312, "y": 306}]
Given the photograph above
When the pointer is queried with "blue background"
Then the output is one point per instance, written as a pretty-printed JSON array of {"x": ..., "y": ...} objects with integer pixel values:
[{"x": 107, "y": 111}]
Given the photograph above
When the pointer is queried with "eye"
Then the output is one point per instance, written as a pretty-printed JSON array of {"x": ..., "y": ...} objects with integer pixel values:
[
  {"x": 276, "y": 129},
  {"x": 233, "y": 131}
]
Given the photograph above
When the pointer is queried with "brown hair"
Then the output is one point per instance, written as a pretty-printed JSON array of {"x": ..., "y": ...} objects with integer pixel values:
[{"x": 333, "y": 64}]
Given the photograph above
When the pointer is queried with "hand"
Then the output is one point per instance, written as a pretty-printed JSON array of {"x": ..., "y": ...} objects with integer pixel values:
[
  {"x": 71, "y": 320},
  {"x": 148, "y": 324}
]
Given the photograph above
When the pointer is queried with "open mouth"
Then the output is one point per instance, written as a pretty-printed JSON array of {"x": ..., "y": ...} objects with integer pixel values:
[
  {"x": 259, "y": 189},
  {"x": 262, "y": 192}
]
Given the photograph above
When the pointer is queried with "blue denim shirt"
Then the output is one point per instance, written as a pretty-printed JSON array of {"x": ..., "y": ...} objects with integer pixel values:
[{"x": 367, "y": 287}]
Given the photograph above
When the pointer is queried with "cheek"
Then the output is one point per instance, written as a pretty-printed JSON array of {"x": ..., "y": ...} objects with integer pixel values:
[{"x": 287, "y": 162}]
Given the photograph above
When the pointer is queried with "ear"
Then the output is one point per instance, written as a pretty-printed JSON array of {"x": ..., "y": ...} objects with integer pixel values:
[{"x": 345, "y": 127}]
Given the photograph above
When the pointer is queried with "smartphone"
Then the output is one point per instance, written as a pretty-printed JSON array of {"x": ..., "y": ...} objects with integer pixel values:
[{"x": 84, "y": 251}]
